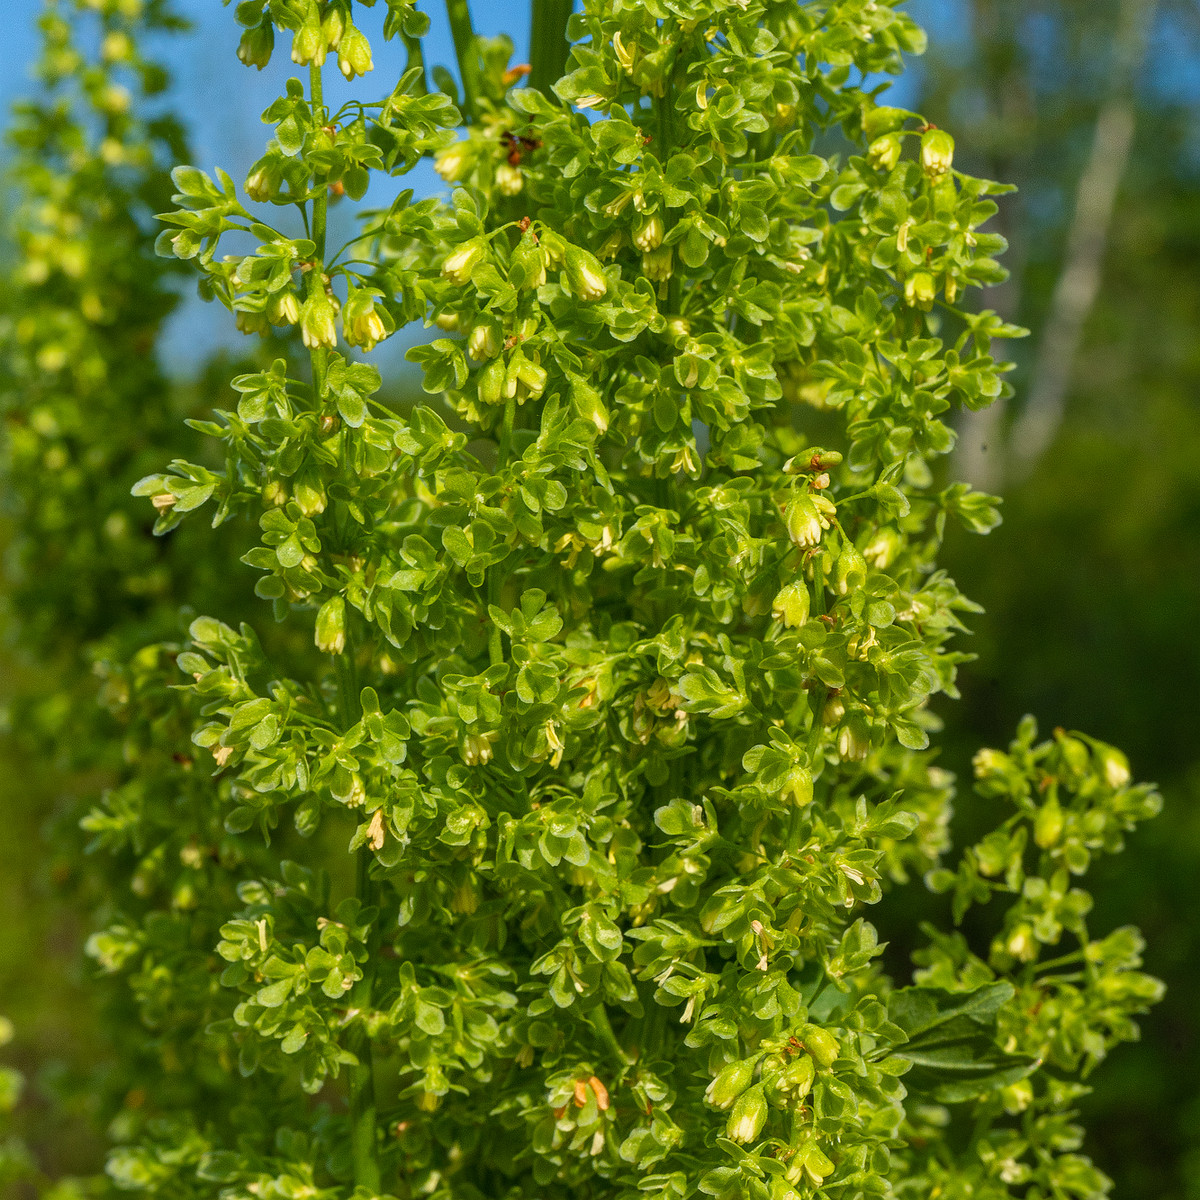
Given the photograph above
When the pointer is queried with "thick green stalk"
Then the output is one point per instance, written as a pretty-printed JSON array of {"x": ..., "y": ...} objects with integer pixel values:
[
  {"x": 416, "y": 58},
  {"x": 549, "y": 47},
  {"x": 463, "y": 33},
  {"x": 363, "y": 1115},
  {"x": 320, "y": 211}
]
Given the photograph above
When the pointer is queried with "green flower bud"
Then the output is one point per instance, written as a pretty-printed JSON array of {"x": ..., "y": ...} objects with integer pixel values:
[
  {"x": 264, "y": 180},
  {"x": 749, "y": 1115},
  {"x": 256, "y": 45},
  {"x": 554, "y": 246},
  {"x": 817, "y": 1164},
  {"x": 530, "y": 375},
  {"x": 884, "y": 152},
  {"x": 1021, "y": 944},
  {"x": 806, "y": 517},
  {"x": 937, "y": 152},
  {"x": 283, "y": 308},
  {"x": 791, "y": 604},
  {"x": 850, "y": 572},
  {"x": 333, "y": 26},
  {"x": 1114, "y": 765},
  {"x": 854, "y": 739},
  {"x": 881, "y": 550},
  {"x": 882, "y": 119},
  {"x": 789, "y": 1086},
  {"x": 649, "y": 233},
  {"x": 528, "y": 264},
  {"x": 798, "y": 787},
  {"x": 483, "y": 342},
  {"x": 462, "y": 260},
  {"x": 308, "y": 44},
  {"x": 584, "y": 274},
  {"x": 252, "y": 322},
  {"x": 659, "y": 264},
  {"x": 509, "y": 179},
  {"x": 363, "y": 324},
  {"x": 354, "y": 54},
  {"x": 491, "y": 382},
  {"x": 729, "y": 1083},
  {"x": 452, "y": 163},
  {"x": 310, "y": 495},
  {"x": 920, "y": 289},
  {"x": 1017, "y": 1097},
  {"x": 317, "y": 327},
  {"x": 330, "y": 635},
  {"x": 587, "y": 403},
  {"x": 1048, "y": 824},
  {"x": 821, "y": 1044}
]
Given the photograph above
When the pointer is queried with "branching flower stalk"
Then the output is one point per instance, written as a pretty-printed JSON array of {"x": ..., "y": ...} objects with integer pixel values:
[{"x": 554, "y": 848}]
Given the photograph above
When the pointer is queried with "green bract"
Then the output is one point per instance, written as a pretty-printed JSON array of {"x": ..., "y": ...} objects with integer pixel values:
[{"x": 554, "y": 846}]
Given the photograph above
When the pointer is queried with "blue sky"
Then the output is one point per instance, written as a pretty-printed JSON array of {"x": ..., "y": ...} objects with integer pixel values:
[{"x": 223, "y": 99}]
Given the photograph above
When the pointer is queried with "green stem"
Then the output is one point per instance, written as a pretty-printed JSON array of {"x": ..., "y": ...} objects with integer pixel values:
[
  {"x": 363, "y": 1115},
  {"x": 416, "y": 58},
  {"x": 598, "y": 1019},
  {"x": 495, "y": 646},
  {"x": 347, "y": 681},
  {"x": 463, "y": 32},
  {"x": 506, "y": 430},
  {"x": 549, "y": 47},
  {"x": 320, "y": 212}
]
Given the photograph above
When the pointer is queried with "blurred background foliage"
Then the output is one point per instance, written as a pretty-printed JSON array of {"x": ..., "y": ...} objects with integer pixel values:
[{"x": 1091, "y": 586}]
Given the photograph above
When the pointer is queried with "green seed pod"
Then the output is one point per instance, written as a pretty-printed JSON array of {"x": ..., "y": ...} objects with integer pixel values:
[
  {"x": 729, "y": 1083},
  {"x": 822, "y": 1045}
]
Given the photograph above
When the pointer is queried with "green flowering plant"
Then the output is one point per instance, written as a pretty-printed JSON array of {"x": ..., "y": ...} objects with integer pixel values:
[
  {"x": 87, "y": 409},
  {"x": 545, "y": 865}
]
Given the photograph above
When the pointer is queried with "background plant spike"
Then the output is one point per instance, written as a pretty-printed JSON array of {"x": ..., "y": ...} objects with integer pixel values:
[{"x": 546, "y": 864}]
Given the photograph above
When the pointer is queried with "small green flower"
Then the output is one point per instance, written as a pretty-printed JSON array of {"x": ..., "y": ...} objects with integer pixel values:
[
  {"x": 937, "y": 152},
  {"x": 729, "y": 1083},
  {"x": 462, "y": 260},
  {"x": 330, "y": 635},
  {"x": 584, "y": 274},
  {"x": 748, "y": 1116}
]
